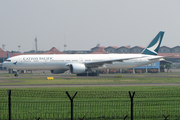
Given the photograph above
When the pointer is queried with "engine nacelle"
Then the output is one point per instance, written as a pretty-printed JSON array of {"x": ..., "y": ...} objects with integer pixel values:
[
  {"x": 58, "y": 71},
  {"x": 77, "y": 68}
]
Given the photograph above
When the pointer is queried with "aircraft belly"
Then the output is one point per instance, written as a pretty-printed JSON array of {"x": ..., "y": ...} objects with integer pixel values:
[{"x": 40, "y": 66}]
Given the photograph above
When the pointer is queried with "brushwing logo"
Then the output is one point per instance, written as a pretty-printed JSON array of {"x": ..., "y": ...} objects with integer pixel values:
[
  {"x": 153, "y": 48},
  {"x": 15, "y": 63}
]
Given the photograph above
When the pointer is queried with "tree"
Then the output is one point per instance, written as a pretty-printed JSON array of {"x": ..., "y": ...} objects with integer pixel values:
[
  {"x": 168, "y": 66},
  {"x": 162, "y": 68}
]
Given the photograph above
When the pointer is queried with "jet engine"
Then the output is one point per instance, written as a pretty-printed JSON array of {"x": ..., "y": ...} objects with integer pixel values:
[
  {"x": 58, "y": 71},
  {"x": 77, "y": 68}
]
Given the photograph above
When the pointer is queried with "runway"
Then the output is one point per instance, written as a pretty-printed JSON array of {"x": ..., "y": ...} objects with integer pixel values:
[
  {"x": 16, "y": 80},
  {"x": 90, "y": 85}
]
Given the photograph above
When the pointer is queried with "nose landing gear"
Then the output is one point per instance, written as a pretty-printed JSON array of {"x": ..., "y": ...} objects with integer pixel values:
[{"x": 15, "y": 74}]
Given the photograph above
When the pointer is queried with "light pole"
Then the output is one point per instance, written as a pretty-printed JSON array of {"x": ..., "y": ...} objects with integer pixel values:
[
  {"x": 19, "y": 47},
  {"x": 3, "y": 45}
]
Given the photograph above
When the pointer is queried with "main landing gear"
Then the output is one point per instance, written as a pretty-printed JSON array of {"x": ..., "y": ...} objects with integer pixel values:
[
  {"x": 93, "y": 74},
  {"x": 88, "y": 74}
]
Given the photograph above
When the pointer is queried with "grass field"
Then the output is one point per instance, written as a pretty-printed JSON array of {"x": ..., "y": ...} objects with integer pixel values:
[
  {"x": 105, "y": 105},
  {"x": 24, "y": 79},
  {"x": 150, "y": 102}
]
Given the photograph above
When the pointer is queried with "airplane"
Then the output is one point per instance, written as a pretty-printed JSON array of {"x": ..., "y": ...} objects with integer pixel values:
[{"x": 86, "y": 64}]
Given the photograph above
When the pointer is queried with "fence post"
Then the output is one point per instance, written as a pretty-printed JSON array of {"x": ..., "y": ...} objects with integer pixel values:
[
  {"x": 131, "y": 97},
  {"x": 71, "y": 99},
  {"x": 166, "y": 117},
  {"x": 9, "y": 103}
]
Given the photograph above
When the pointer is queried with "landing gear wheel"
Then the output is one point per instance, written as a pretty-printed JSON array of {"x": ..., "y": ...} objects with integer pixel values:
[
  {"x": 81, "y": 74},
  {"x": 16, "y": 75},
  {"x": 93, "y": 74}
]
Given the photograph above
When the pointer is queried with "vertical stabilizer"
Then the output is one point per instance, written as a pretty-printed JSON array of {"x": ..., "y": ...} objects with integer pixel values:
[{"x": 153, "y": 47}]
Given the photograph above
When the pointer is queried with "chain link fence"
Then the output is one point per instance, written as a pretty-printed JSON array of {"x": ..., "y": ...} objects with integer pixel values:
[{"x": 89, "y": 105}]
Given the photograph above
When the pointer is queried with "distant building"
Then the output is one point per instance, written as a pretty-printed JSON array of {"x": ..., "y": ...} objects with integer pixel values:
[
  {"x": 77, "y": 51},
  {"x": 53, "y": 50},
  {"x": 2, "y": 55},
  {"x": 164, "y": 49},
  {"x": 98, "y": 50},
  {"x": 123, "y": 49},
  {"x": 175, "y": 49},
  {"x": 111, "y": 49},
  {"x": 136, "y": 49}
]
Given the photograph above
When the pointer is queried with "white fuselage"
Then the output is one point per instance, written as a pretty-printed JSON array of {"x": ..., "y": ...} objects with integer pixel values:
[{"x": 57, "y": 61}]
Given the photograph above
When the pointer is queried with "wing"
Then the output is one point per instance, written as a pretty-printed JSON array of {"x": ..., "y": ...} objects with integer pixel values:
[{"x": 101, "y": 63}]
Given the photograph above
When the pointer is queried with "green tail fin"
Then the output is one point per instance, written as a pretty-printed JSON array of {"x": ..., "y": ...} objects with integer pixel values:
[{"x": 153, "y": 47}]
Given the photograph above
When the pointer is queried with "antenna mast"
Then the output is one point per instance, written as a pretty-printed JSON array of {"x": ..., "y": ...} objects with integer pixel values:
[
  {"x": 65, "y": 45},
  {"x": 35, "y": 44},
  {"x": 19, "y": 47}
]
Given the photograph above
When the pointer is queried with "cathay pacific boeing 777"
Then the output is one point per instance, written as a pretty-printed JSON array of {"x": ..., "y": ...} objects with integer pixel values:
[{"x": 86, "y": 64}]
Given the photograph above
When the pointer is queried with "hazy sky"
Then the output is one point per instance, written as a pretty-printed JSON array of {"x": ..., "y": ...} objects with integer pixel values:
[{"x": 84, "y": 23}]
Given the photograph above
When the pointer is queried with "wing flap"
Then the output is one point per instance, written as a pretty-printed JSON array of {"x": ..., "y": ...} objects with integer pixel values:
[{"x": 101, "y": 63}]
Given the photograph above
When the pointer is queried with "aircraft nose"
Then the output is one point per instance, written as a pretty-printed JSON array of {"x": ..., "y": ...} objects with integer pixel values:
[{"x": 4, "y": 64}]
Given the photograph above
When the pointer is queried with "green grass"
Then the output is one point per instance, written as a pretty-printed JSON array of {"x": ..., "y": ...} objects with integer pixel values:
[
  {"x": 121, "y": 88},
  {"x": 28, "y": 104},
  {"x": 150, "y": 102},
  {"x": 24, "y": 79}
]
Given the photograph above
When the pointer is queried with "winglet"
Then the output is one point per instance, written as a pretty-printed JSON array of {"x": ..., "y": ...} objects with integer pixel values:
[
  {"x": 8, "y": 55},
  {"x": 153, "y": 47}
]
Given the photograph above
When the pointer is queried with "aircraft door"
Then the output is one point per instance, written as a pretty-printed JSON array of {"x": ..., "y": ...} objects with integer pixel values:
[{"x": 20, "y": 61}]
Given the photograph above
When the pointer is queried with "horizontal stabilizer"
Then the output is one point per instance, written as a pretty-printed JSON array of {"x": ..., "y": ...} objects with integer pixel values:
[{"x": 160, "y": 57}]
